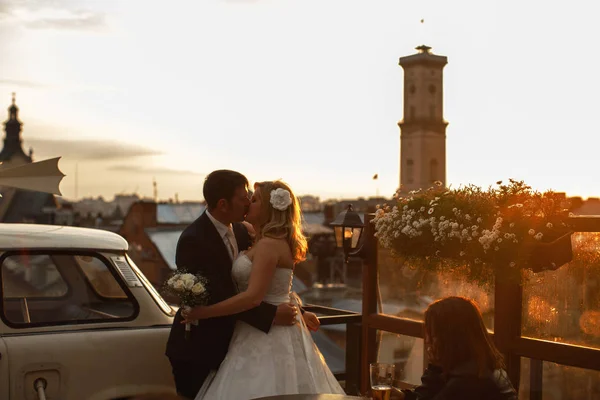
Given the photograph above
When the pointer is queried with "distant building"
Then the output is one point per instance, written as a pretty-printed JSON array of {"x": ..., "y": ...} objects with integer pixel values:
[
  {"x": 18, "y": 205},
  {"x": 310, "y": 204},
  {"x": 423, "y": 128},
  {"x": 591, "y": 206},
  {"x": 98, "y": 213},
  {"x": 360, "y": 205},
  {"x": 91, "y": 207},
  {"x": 124, "y": 201}
]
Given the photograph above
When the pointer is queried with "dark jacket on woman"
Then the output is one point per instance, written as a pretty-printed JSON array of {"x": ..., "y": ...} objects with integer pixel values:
[{"x": 462, "y": 383}]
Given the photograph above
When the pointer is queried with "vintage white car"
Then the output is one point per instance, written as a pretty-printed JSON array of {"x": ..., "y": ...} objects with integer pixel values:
[{"x": 78, "y": 320}]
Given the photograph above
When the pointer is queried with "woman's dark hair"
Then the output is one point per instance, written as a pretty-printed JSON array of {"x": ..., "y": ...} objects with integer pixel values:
[
  {"x": 222, "y": 184},
  {"x": 455, "y": 330}
]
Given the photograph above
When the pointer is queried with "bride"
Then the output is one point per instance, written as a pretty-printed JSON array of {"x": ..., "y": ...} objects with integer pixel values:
[{"x": 286, "y": 360}]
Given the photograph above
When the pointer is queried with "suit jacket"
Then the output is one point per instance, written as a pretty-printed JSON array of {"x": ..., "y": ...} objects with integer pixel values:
[{"x": 200, "y": 250}]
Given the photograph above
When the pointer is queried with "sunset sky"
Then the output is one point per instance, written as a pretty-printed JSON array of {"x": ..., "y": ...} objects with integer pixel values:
[{"x": 309, "y": 91}]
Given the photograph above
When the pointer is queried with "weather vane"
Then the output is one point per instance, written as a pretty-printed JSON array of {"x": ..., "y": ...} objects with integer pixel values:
[{"x": 423, "y": 37}]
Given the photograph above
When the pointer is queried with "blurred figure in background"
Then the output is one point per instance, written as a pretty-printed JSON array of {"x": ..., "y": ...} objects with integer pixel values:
[{"x": 464, "y": 362}]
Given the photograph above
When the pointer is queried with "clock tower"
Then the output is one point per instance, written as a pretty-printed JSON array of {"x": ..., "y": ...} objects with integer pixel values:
[{"x": 423, "y": 128}]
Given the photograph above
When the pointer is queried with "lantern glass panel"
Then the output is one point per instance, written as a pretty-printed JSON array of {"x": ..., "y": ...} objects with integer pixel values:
[
  {"x": 338, "y": 236},
  {"x": 356, "y": 232}
]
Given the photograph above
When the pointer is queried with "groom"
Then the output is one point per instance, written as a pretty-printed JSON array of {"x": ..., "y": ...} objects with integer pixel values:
[{"x": 208, "y": 247}]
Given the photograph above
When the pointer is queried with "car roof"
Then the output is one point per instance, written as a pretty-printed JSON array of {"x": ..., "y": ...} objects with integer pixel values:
[{"x": 36, "y": 236}]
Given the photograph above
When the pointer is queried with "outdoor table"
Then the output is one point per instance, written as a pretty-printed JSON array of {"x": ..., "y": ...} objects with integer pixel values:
[{"x": 311, "y": 397}]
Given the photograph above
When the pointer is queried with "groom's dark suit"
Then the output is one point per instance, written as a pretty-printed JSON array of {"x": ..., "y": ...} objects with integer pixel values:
[{"x": 201, "y": 250}]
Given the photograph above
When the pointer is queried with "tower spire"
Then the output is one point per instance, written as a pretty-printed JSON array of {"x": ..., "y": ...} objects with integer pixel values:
[
  {"x": 12, "y": 139},
  {"x": 13, "y": 110},
  {"x": 423, "y": 49}
]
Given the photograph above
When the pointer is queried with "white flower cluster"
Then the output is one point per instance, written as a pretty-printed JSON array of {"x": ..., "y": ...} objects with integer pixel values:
[
  {"x": 461, "y": 231},
  {"x": 497, "y": 227},
  {"x": 458, "y": 227},
  {"x": 386, "y": 225},
  {"x": 491, "y": 239},
  {"x": 186, "y": 283},
  {"x": 390, "y": 223}
]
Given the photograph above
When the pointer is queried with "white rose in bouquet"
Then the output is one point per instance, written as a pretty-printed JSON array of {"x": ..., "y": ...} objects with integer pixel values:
[
  {"x": 187, "y": 276},
  {"x": 198, "y": 288},
  {"x": 178, "y": 285},
  {"x": 188, "y": 281}
]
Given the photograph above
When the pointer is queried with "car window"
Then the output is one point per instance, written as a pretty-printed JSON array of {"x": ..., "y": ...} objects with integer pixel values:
[
  {"x": 100, "y": 278},
  {"x": 57, "y": 288},
  {"x": 164, "y": 306},
  {"x": 32, "y": 276}
]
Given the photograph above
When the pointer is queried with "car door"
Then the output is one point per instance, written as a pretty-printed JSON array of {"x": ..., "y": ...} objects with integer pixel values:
[
  {"x": 3, "y": 371},
  {"x": 86, "y": 327}
]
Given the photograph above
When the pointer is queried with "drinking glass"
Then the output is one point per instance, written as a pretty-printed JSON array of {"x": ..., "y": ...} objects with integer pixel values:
[{"x": 382, "y": 377}]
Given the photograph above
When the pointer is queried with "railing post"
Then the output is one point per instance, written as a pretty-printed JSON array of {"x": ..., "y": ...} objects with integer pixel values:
[
  {"x": 369, "y": 304},
  {"x": 536, "y": 374},
  {"x": 353, "y": 358},
  {"x": 508, "y": 308}
]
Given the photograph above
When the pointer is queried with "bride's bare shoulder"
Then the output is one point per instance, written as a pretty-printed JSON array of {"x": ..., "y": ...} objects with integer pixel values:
[{"x": 270, "y": 242}]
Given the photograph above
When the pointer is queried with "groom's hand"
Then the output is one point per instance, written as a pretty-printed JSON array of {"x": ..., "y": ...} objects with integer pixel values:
[{"x": 286, "y": 314}]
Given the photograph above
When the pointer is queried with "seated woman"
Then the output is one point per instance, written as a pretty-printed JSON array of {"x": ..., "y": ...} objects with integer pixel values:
[{"x": 464, "y": 363}]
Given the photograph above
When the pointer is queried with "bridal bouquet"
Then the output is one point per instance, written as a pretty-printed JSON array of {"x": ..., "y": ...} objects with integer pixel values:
[
  {"x": 191, "y": 291},
  {"x": 501, "y": 229}
]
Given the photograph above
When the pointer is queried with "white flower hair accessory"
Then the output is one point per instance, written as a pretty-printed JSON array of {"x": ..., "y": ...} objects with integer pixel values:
[{"x": 280, "y": 199}]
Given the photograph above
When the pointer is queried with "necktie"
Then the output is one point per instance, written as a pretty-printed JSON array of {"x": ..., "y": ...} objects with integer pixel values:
[{"x": 232, "y": 244}]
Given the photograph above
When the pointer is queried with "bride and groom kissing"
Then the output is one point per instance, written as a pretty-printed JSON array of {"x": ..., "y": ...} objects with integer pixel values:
[{"x": 249, "y": 341}]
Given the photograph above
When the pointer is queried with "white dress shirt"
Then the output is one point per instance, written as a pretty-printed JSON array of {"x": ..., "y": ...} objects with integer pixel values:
[{"x": 224, "y": 231}]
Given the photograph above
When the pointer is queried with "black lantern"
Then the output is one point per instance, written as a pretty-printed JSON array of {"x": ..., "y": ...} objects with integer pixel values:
[{"x": 348, "y": 229}]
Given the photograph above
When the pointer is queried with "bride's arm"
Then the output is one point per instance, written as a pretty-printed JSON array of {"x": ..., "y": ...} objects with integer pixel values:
[{"x": 263, "y": 268}]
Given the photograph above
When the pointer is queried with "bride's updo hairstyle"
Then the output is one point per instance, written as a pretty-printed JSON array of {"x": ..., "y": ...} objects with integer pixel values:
[{"x": 281, "y": 217}]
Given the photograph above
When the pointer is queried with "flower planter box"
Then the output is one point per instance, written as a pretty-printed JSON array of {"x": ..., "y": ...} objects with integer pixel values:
[
  {"x": 498, "y": 232},
  {"x": 552, "y": 255}
]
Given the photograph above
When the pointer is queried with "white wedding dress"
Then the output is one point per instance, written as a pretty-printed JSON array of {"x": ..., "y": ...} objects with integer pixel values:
[{"x": 284, "y": 361}]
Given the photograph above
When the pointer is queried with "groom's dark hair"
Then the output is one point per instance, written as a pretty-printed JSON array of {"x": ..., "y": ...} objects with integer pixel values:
[{"x": 222, "y": 184}]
